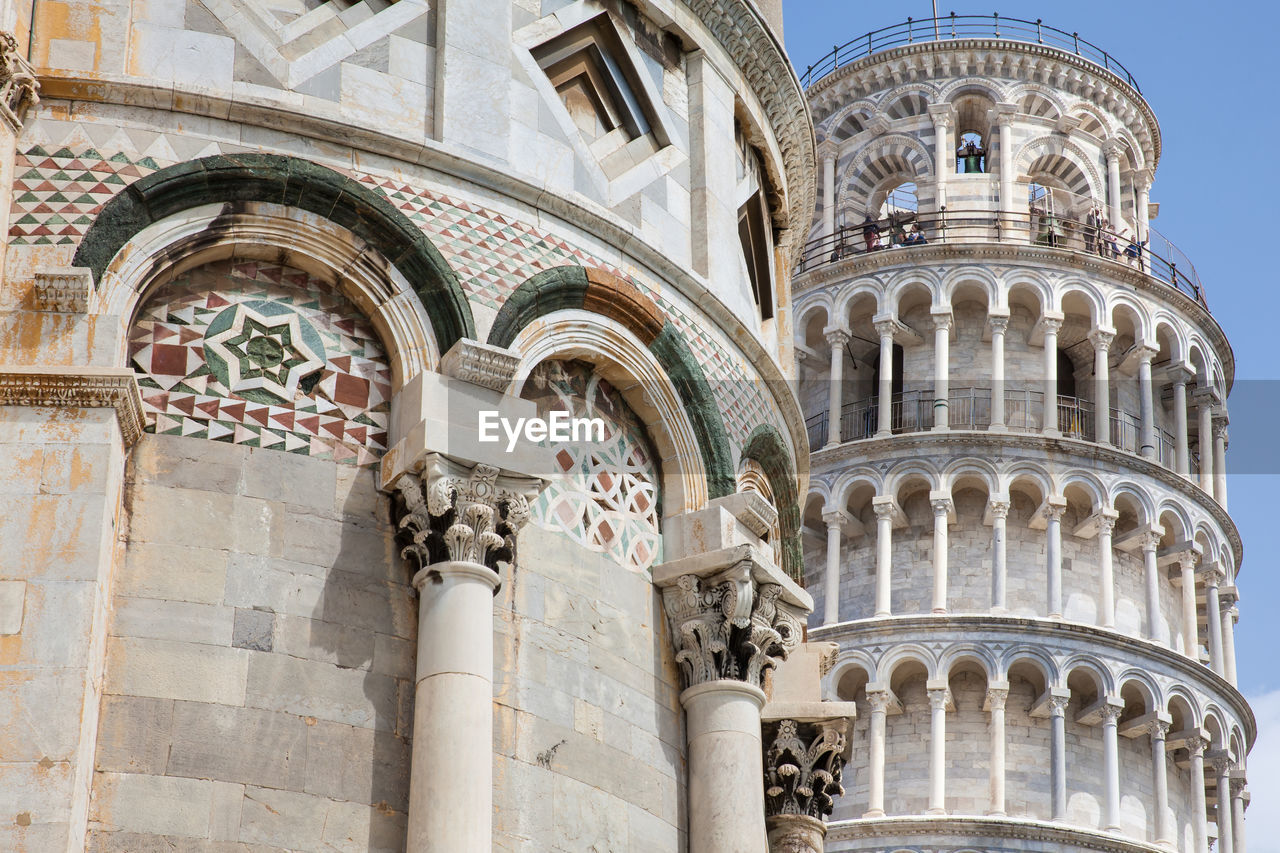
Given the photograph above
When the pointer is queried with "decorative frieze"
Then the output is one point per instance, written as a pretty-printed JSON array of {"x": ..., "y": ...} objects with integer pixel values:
[
  {"x": 77, "y": 388},
  {"x": 482, "y": 364},
  {"x": 64, "y": 290},
  {"x": 728, "y": 625},
  {"x": 18, "y": 84},
  {"x": 461, "y": 513},
  {"x": 803, "y": 763}
]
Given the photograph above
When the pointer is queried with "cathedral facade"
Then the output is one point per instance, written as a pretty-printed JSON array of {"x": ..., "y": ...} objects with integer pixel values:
[{"x": 407, "y": 410}]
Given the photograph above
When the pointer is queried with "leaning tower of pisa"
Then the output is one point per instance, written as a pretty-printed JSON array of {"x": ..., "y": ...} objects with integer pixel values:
[{"x": 1016, "y": 530}]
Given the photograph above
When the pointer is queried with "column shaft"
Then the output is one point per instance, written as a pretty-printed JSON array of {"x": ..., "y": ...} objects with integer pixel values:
[
  {"x": 1102, "y": 386},
  {"x": 999, "y": 556},
  {"x": 1113, "y": 190},
  {"x": 453, "y": 711},
  {"x": 1151, "y": 580},
  {"x": 941, "y": 508},
  {"x": 831, "y": 590},
  {"x": 1229, "y": 644},
  {"x": 828, "y": 196},
  {"x": 1213, "y": 618},
  {"x": 1220, "y": 463},
  {"x": 726, "y": 765},
  {"x": 1190, "y": 631},
  {"x": 1160, "y": 781},
  {"x": 1180, "y": 427},
  {"x": 837, "y": 340},
  {"x": 884, "y": 557},
  {"x": 1006, "y": 165},
  {"x": 938, "y": 700},
  {"x": 1111, "y": 768},
  {"x": 1053, "y": 560},
  {"x": 1051, "y": 376},
  {"x": 1206, "y": 447},
  {"x": 884, "y": 427},
  {"x": 1226, "y": 838},
  {"x": 1146, "y": 405},
  {"x": 1200, "y": 809},
  {"x": 1058, "y": 759},
  {"x": 1106, "y": 572},
  {"x": 1237, "y": 817},
  {"x": 941, "y": 372},
  {"x": 996, "y": 698},
  {"x": 875, "y": 782},
  {"x": 998, "y": 327}
]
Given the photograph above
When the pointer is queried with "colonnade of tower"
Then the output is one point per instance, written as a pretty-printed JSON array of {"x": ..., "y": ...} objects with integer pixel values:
[{"x": 1017, "y": 528}]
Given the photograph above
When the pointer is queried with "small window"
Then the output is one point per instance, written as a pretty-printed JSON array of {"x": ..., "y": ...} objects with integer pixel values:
[{"x": 601, "y": 89}]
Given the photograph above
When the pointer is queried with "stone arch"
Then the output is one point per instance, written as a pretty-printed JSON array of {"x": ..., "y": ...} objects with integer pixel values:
[
  {"x": 961, "y": 653},
  {"x": 913, "y": 470},
  {"x": 1177, "y": 337},
  {"x": 606, "y": 296},
  {"x": 1089, "y": 292},
  {"x": 970, "y": 275},
  {"x": 969, "y": 468},
  {"x": 1087, "y": 482},
  {"x": 984, "y": 86},
  {"x": 891, "y": 155},
  {"x": 843, "y": 488},
  {"x": 1136, "y": 495},
  {"x": 1036, "y": 100},
  {"x": 846, "y": 122},
  {"x": 907, "y": 104},
  {"x": 1037, "y": 657},
  {"x": 926, "y": 279},
  {"x": 1178, "y": 694},
  {"x": 1145, "y": 684},
  {"x": 1093, "y": 120},
  {"x": 766, "y": 446},
  {"x": 1097, "y": 669},
  {"x": 1032, "y": 282},
  {"x": 907, "y": 653},
  {"x": 1137, "y": 314},
  {"x": 1026, "y": 471},
  {"x": 1064, "y": 160},
  {"x": 926, "y": 90},
  {"x": 1172, "y": 508},
  {"x": 234, "y": 180},
  {"x": 849, "y": 293},
  {"x": 847, "y": 662}
]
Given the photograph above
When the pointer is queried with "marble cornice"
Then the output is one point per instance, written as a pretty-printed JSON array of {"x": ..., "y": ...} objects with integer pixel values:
[
  {"x": 966, "y": 831},
  {"x": 77, "y": 388},
  {"x": 880, "y": 450},
  {"x": 903, "y": 629},
  {"x": 907, "y": 258},
  {"x": 1079, "y": 74},
  {"x": 432, "y": 156}
]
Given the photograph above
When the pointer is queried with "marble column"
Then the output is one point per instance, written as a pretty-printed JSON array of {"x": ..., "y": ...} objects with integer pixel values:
[
  {"x": 943, "y": 154},
  {"x": 803, "y": 765},
  {"x": 880, "y": 701},
  {"x": 1143, "y": 182},
  {"x": 939, "y": 703},
  {"x": 1115, "y": 208},
  {"x": 1146, "y": 403},
  {"x": 1158, "y": 731},
  {"x": 1101, "y": 384},
  {"x": 1003, "y": 115},
  {"x": 1190, "y": 631},
  {"x": 1111, "y": 766},
  {"x": 1053, "y": 513},
  {"x": 1228, "y": 617},
  {"x": 1106, "y": 522},
  {"x": 1205, "y": 402},
  {"x": 831, "y": 590},
  {"x": 1182, "y": 454},
  {"x": 1220, "y": 460},
  {"x": 449, "y": 811},
  {"x": 885, "y": 510},
  {"x": 942, "y": 507},
  {"x": 884, "y": 406},
  {"x": 1051, "y": 325},
  {"x": 1200, "y": 809},
  {"x": 999, "y": 325},
  {"x": 828, "y": 193},
  {"x": 994, "y": 705},
  {"x": 1213, "y": 617},
  {"x": 1222, "y": 766},
  {"x": 999, "y": 555},
  {"x": 1151, "y": 581},
  {"x": 836, "y": 339},
  {"x": 1238, "y": 794},
  {"x": 941, "y": 370},
  {"x": 733, "y": 616},
  {"x": 1058, "y": 756}
]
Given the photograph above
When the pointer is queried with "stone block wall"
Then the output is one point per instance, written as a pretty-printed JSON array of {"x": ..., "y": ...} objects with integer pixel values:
[{"x": 260, "y": 658}]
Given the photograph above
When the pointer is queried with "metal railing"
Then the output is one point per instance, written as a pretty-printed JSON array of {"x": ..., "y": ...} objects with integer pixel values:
[
  {"x": 1126, "y": 431},
  {"x": 955, "y": 26},
  {"x": 816, "y": 427},
  {"x": 1075, "y": 417},
  {"x": 906, "y": 231}
]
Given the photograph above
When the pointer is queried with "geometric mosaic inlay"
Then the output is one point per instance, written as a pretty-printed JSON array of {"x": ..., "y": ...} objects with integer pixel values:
[
  {"x": 262, "y": 355},
  {"x": 606, "y": 497}
]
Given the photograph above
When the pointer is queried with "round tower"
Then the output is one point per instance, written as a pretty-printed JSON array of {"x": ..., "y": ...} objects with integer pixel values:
[{"x": 1017, "y": 528}]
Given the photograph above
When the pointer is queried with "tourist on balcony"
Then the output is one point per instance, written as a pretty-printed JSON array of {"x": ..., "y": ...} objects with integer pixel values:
[
  {"x": 1092, "y": 221},
  {"x": 871, "y": 233}
]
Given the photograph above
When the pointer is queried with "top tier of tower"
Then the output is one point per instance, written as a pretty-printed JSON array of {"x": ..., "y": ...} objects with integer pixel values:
[{"x": 1057, "y": 125}]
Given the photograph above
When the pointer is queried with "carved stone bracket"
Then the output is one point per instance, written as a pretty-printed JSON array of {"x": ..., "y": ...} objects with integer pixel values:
[
  {"x": 19, "y": 88},
  {"x": 77, "y": 388},
  {"x": 731, "y": 624},
  {"x": 803, "y": 763},
  {"x": 464, "y": 513},
  {"x": 482, "y": 364},
  {"x": 65, "y": 290}
]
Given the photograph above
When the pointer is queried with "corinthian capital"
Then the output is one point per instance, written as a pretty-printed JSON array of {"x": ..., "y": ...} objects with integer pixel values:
[
  {"x": 459, "y": 512},
  {"x": 18, "y": 84},
  {"x": 729, "y": 625},
  {"x": 803, "y": 762}
]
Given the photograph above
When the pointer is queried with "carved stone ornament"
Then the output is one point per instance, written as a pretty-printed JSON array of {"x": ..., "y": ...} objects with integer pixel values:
[
  {"x": 77, "y": 388},
  {"x": 18, "y": 84},
  {"x": 481, "y": 364},
  {"x": 456, "y": 512},
  {"x": 726, "y": 627},
  {"x": 803, "y": 763},
  {"x": 65, "y": 290}
]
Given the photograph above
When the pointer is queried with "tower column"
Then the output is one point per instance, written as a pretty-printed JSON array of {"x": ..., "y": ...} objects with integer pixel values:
[
  {"x": 1003, "y": 116},
  {"x": 1102, "y": 339},
  {"x": 1190, "y": 631},
  {"x": 1054, "y": 509},
  {"x": 1146, "y": 402},
  {"x": 997, "y": 695},
  {"x": 831, "y": 590},
  {"x": 1213, "y": 618},
  {"x": 828, "y": 193},
  {"x": 1106, "y": 523},
  {"x": 939, "y": 703},
  {"x": 999, "y": 325},
  {"x": 885, "y": 510},
  {"x": 942, "y": 508},
  {"x": 1228, "y": 617},
  {"x": 1159, "y": 730},
  {"x": 1238, "y": 795},
  {"x": 1111, "y": 765},
  {"x": 1205, "y": 401},
  {"x": 1200, "y": 809},
  {"x": 836, "y": 339},
  {"x": 884, "y": 426},
  {"x": 1182, "y": 455},
  {"x": 999, "y": 568},
  {"x": 1050, "y": 325},
  {"x": 880, "y": 701},
  {"x": 1144, "y": 207},
  {"x": 1221, "y": 764},
  {"x": 941, "y": 370},
  {"x": 1116, "y": 214},
  {"x": 1220, "y": 460},
  {"x": 943, "y": 156},
  {"x": 1058, "y": 755},
  {"x": 1151, "y": 581}
]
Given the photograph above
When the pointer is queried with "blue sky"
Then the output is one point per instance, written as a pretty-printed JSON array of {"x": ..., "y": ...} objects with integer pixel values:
[{"x": 1205, "y": 70}]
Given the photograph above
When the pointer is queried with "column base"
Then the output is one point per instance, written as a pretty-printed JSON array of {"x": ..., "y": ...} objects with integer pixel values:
[
  {"x": 1051, "y": 433},
  {"x": 935, "y": 811},
  {"x": 882, "y": 614},
  {"x": 997, "y": 814},
  {"x": 939, "y": 611},
  {"x": 997, "y": 428},
  {"x": 874, "y": 813},
  {"x": 830, "y": 444},
  {"x": 884, "y": 433}
]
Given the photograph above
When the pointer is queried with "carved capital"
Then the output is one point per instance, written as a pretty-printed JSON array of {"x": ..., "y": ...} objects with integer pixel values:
[
  {"x": 880, "y": 700},
  {"x": 1110, "y": 714},
  {"x": 1158, "y": 729},
  {"x": 999, "y": 508},
  {"x": 1054, "y": 511},
  {"x": 1058, "y": 705},
  {"x": 941, "y": 507},
  {"x": 1106, "y": 524},
  {"x": 1237, "y": 785},
  {"x": 19, "y": 88},
  {"x": 729, "y": 626},
  {"x": 942, "y": 322},
  {"x": 836, "y": 518},
  {"x": 458, "y": 512},
  {"x": 77, "y": 388},
  {"x": 1101, "y": 339},
  {"x": 836, "y": 337},
  {"x": 803, "y": 763},
  {"x": 1051, "y": 325},
  {"x": 940, "y": 698},
  {"x": 481, "y": 364},
  {"x": 884, "y": 509},
  {"x": 996, "y": 698},
  {"x": 1149, "y": 541},
  {"x": 886, "y": 328},
  {"x": 1195, "y": 745},
  {"x": 999, "y": 325}
]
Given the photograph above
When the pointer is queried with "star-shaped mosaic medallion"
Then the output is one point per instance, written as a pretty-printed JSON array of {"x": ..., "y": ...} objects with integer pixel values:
[{"x": 259, "y": 346}]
